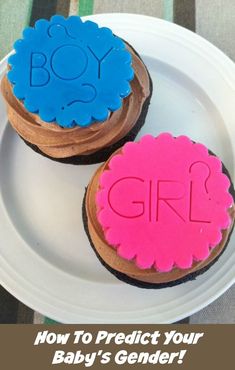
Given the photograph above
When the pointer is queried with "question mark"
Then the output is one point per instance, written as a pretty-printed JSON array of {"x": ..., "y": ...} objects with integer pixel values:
[
  {"x": 193, "y": 218},
  {"x": 91, "y": 95},
  {"x": 54, "y": 28},
  {"x": 208, "y": 175}
]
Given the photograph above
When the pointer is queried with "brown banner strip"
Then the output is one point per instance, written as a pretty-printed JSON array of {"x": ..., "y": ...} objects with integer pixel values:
[
  {"x": 42, "y": 9},
  {"x": 109, "y": 346},
  {"x": 24, "y": 314},
  {"x": 185, "y": 14},
  {"x": 63, "y": 7},
  {"x": 8, "y": 307}
]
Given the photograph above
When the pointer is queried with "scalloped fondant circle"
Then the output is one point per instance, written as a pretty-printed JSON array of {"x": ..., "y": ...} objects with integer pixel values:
[
  {"x": 163, "y": 202},
  {"x": 70, "y": 72}
]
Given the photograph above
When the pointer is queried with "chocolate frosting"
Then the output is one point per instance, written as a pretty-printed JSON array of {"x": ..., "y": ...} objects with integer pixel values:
[
  {"x": 110, "y": 256},
  {"x": 59, "y": 142}
]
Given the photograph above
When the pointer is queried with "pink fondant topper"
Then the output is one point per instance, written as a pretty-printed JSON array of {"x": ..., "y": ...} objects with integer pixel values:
[{"x": 163, "y": 202}]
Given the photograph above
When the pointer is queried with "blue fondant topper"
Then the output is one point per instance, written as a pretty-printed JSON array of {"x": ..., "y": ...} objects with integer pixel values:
[{"x": 70, "y": 71}]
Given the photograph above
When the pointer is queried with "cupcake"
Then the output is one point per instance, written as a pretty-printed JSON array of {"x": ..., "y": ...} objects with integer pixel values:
[
  {"x": 75, "y": 92},
  {"x": 160, "y": 211}
]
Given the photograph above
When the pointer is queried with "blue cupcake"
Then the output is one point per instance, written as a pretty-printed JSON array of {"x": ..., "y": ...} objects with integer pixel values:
[{"x": 75, "y": 92}]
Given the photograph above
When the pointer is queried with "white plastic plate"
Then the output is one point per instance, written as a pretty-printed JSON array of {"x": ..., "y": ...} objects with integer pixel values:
[{"x": 45, "y": 258}]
